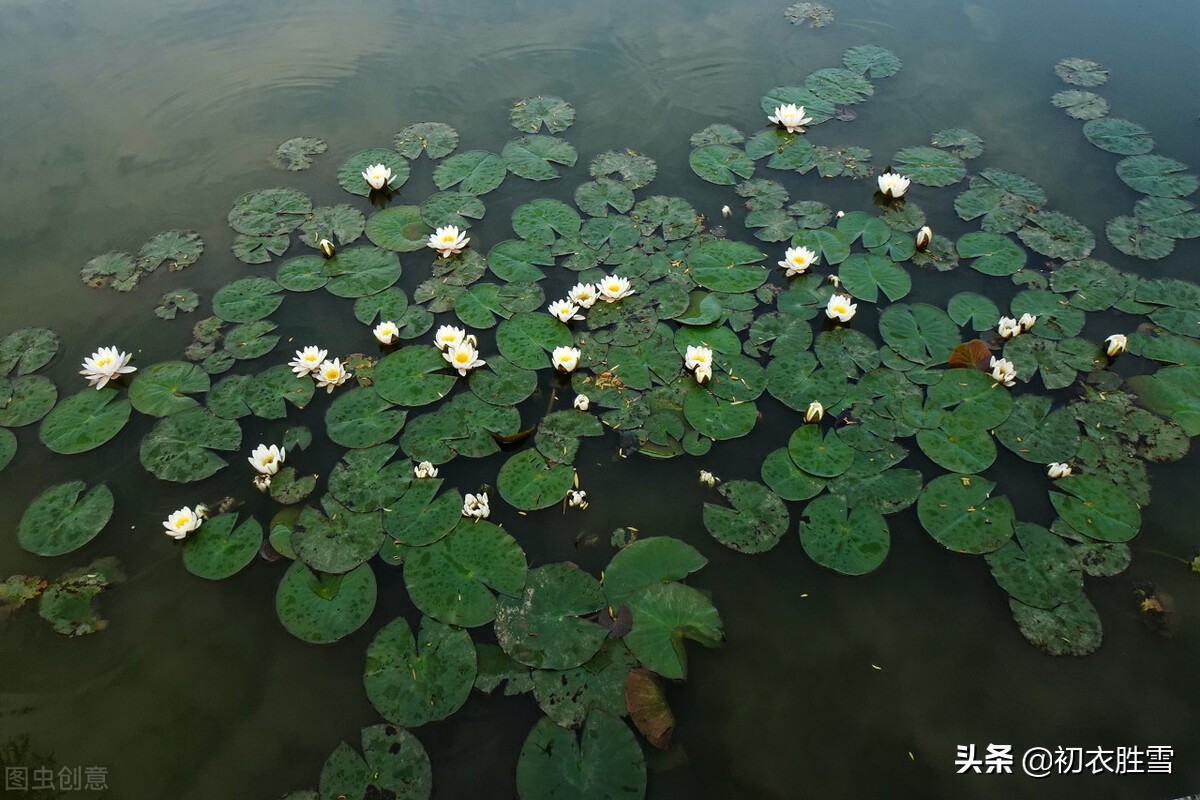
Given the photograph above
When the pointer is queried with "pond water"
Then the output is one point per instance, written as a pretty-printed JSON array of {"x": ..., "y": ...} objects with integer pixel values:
[{"x": 129, "y": 118}]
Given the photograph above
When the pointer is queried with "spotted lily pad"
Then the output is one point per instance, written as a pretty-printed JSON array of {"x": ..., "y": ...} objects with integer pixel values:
[
  {"x": 664, "y": 615},
  {"x": 721, "y": 164},
  {"x": 361, "y": 418},
  {"x": 474, "y": 172},
  {"x": 337, "y": 540},
  {"x": 296, "y": 154},
  {"x": 960, "y": 513},
  {"x": 1081, "y": 72},
  {"x": 1068, "y": 629},
  {"x": 1097, "y": 508},
  {"x": 412, "y": 681},
  {"x": 606, "y": 762},
  {"x": 929, "y": 166},
  {"x": 1158, "y": 176},
  {"x": 1037, "y": 568},
  {"x": 1056, "y": 235},
  {"x": 269, "y": 212},
  {"x": 413, "y": 376},
  {"x": 180, "y": 447},
  {"x": 320, "y": 608},
  {"x": 349, "y": 175},
  {"x": 851, "y": 541},
  {"x": 84, "y": 421},
  {"x": 532, "y": 113},
  {"x": 436, "y": 139},
  {"x": 1080, "y": 104},
  {"x": 528, "y": 481},
  {"x": 394, "y": 764},
  {"x": 872, "y": 61},
  {"x": 59, "y": 520},
  {"x": 69, "y": 604},
  {"x": 534, "y": 157},
  {"x": 543, "y": 626},
  {"x": 755, "y": 524},
  {"x": 162, "y": 389},
  {"x": 220, "y": 550}
]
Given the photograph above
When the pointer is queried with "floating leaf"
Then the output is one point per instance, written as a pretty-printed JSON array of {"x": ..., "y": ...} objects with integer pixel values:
[
  {"x": 1097, "y": 508},
  {"x": 1069, "y": 629},
  {"x": 1131, "y": 238},
  {"x": 474, "y": 172},
  {"x": 958, "y": 445},
  {"x": 1079, "y": 104},
  {"x": 959, "y": 141},
  {"x": 69, "y": 604},
  {"x": 654, "y": 560},
  {"x": 180, "y": 446},
  {"x": 1002, "y": 198},
  {"x": 606, "y": 763},
  {"x": 361, "y": 418},
  {"x": 532, "y": 113},
  {"x": 59, "y": 520},
  {"x": 871, "y": 60},
  {"x": 721, "y": 164},
  {"x": 994, "y": 254},
  {"x": 27, "y": 349},
  {"x": 338, "y": 540},
  {"x": 396, "y": 765},
  {"x": 1037, "y": 434},
  {"x": 648, "y": 709},
  {"x": 1056, "y": 235},
  {"x": 1156, "y": 175},
  {"x": 852, "y": 542},
  {"x": 437, "y": 139},
  {"x": 529, "y": 482},
  {"x": 319, "y": 608},
  {"x": 161, "y": 389},
  {"x": 350, "y": 174},
  {"x": 865, "y": 275},
  {"x": 413, "y": 376},
  {"x": 296, "y": 154},
  {"x": 171, "y": 303},
  {"x": 218, "y": 550},
  {"x": 399, "y": 228},
  {"x": 29, "y": 398},
  {"x": 1081, "y": 72},
  {"x": 528, "y": 339},
  {"x": 756, "y": 523},
  {"x": 247, "y": 300},
  {"x": 1119, "y": 136},
  {"x": 567, "y": 696},
  {"x": 1037, "y": 568},
  {"x": 361, "y": 271},
  {"x": 597, "y": 197},
  {"x": 632, "y": 170},
  {"x": 824, "y": 456},
  {"x": 176, "y": 249},
  {"x": 727, "y": 266},
  {"x": 840, "y": 86},
  {"x": 542, "y": 221},
  {"x": 544, "y": 627},
  {"x": 664, "y": 614},
  {"x": 929, "y": 166},
  {"x": 269, "y": 212},
  {"x": 534, "y": 157},
  {"x": 960, "y": 513},
  {"x": 414, "y": 681},
  {"x": 268, "y": 393},
  {"x": 84, "y": 421},
  {"x": 815, "y": 14}
]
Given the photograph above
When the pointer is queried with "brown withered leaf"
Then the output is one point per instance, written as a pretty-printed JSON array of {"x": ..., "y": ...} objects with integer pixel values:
[{"x": 648, "y": 707}]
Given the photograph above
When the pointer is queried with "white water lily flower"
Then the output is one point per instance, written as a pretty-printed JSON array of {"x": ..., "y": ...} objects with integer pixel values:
[
  {"x": 697, "y": 356},
  {"x": 326, "y": 247},
  {"x": 307, "y": 361},
  {"x": 448, "y": 240},
  {"x": 790, "y": 116},
  {"x": 893, "y": 184},
  {"x": 476, "y": 506},
  {"x": 463, "y": 357},
  {"x": 1056, "y": 470},
  {"x": 448, "y": 336},
  {"x": 840, "y": 308},
  {"x": 182, "y": 522},
  {"x": 267, "y": 459},
  {"x": 1003, "y": 371},
  {"x": 924, "y": 237},
  {"x": 565, "y": 359},
  {"x": 703, "y": 373},
  {"x": 332, "y": 374},
  {"x": 1008, "y": 327},
  {"x": 577, "y": 498},
  {"x": 583, "y": 295},
  {"x": 815, "y": 412},
  {"x": 582, "y": 402},
  {"x": 1116, "y": 344},
  {"x": 613, "y": 288},
  {"x": 708, "y": 479},
  {"x": 386, "y": 332},
  {"x": 565, "y": 310},
  {"x": 425, "y": 470},
  {"x": 1027, "y": 321},
  {"x": 726, "y": 211},
  {"x": 797, "y": 260},
  {"x": 377, "y": 176},
  {"x": 104, "y": 365}
]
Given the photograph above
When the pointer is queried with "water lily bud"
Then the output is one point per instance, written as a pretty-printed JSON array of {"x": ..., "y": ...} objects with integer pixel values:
[
  {"x": 326, "y": 248},
  {"x": 924, "y": 237},
  {"x": 708, "y": 479},
  {"x": 1008, "y": 328},
  {"x": 726, "y": 211},
  {"x": 262, "y": 482},
  {"x": 841, "y": 214},
  {"x": 577, "y": 498},
  {"x": 1116, "y": 344},
  {"x": 1056, "y": 470},
  {"x": 582, "y": 402},
  {"x": 815, "y": 412},
  {"x": 1027, "y": 321}
]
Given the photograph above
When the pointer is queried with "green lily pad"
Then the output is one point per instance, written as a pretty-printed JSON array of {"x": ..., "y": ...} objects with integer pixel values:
[
  {"x": 786, "y": 479},
  {"x": 69, "y": 604},
  {"x": 319, "y": 608},
  {"x": 412, "y": 681},
  {"x": 269, "y": 212},
  {"x": 1057, "y": 235},
  {"x": 823, "y": 456},
  {"x": 361, "y": 418},
  {"x": 84, "y": 421},
  {"x": 1168, "y": 217},
  {"x": 976, "y": 309},
  {"x": 632, "y": 170},
  {"x": 727, "y": 266},
  {"x": 437, "y": 139},
  {"x": 395, "y": 765},
  {"x": 452, "y": 579},
  {"x": 451, "y": 208},
  {"x": 567, "y": 696},
  {"x": 502, "y": 383},
  {"x": 366, "y": 482},
  {"x": 850, "y": 541},
  {"x": 664, "y": 615},
  {"x": 247, "y": 300},
  {"x": 559, "y": 433},
  {"x": 179, "y": 448},
  {"x": 832, "y": 244},
  {"x": 361, "y": 271},
  {"x": 959, "y": 141},
  {"x": 958, "y": 445},
  {"x": 419, "y": 519},
  {"x": 177, "y": 249},
  {"x": 528, "y": 481},
  {"x": 977, "y": 400},
  {"x": 865, "y": 275},
  {"x": 654, "y": 560},
  {"x": 59, "y": 520},
  {"x": 595, "y": 198},
  {"x": 532, "y": 113},
  {"x": 919, "y": 332},
  {"x": 542, "y": 221},
  {"x": 30, "y": 398},
  {"x": 1119, "y": 136},
  {"x": 268, "y": 392},
  {"x": 1081, "y": 72},
  {"x": 1097, "y": 508},
  {"x": 27, "y": 349},
  {"x": 1079, "y": 104},
  {"x": 674, "y": 215},
  {"x": 338, "y": 540},
  {"x": 296, "y": 154},
  {"x": 8, "y": 447},
  {"x": 528, "y": 339},
  {"x": 1097, "y": 285},
  {"x": 716, "y": 418},
  {"x": 721, "y": 164},
  {"x": 161, "y": 389},
  {"x": 1158, "y": 176},
  {"x": 994, "y": 254},
  {"x": 841, "y": 86},
  {"x": 958, "y": 511},
  {"x": 341, "y": 224},
  {"x": 172, "y": 303},
  {"x": 259, "y": 249},
  {"x": 1002, "y": 198},
  {"x": 114, "y": 269},
  {"x": 1129, "y": 236},
  {"x": 288, "y": 488},
  {"x": 606, "y": 763},
  {"x": 534, "y": 157},
  {"x": 871, "y": 60},
  {"x": 544, "y": 626},
  {"x": 1055, "y": 319},
  {"x": 413, "y": 376},
  {"x": 399, "y": 228},
  {"x": 929, "y": 166},
  {"x": 1037, "y": 434},
  {"x": 218, "y": 550},
  {"x": 474, "y": 172},
  {"x": 244, "y": 342},
  {"x": 464, "y": 426},
  {"x": 755, "y": 524},
  {"x": 349, "y": 175},
  {"x": 1069, "y": 629},
  {"x": 1037, "y": 568},
  {"x": 815, "y": 14}
]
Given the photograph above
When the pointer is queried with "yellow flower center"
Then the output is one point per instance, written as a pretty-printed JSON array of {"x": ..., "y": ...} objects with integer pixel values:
[
  {"x": 331, "y": 374},
  {"x": 462, "y": 357},
  {"x": 104, "y": 362},
  {"x": 182, "y": 522},
  {"x": 268, "y": 459}
]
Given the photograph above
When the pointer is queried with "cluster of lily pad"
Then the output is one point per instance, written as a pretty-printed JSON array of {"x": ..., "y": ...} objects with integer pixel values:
[{"x": 699, "y": 342}]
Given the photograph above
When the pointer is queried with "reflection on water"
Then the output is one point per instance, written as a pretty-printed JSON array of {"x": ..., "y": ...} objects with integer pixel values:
[{"x": 127, "y": 118}]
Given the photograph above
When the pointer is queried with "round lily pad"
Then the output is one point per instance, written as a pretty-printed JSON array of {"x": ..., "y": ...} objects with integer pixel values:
[
  {"x": 340, "y": 223},
  {"x": 543, "y": 627},
  {"x": 162, "y": 389},
  {"x": 1158, "y": 176},
  {"x": 1081, "y": 72},
  {"x": 664, "y": 615},
  {"x": 1037, "y": 434},
  {"x": 755, "y": 524},
  {"x": 958, "y": 445},
  {"x": 1069, "y": 629},
  {"x": 534, "y": 157},
  {"x": 349, "y": 175},
  {"x": 320, "y": 608},
  {"x": 823, "y": 455},
  {"x": 84, "y": 421},
  {"x": 656, "y": 559},
  {"x": 727, "y": 266},
  {"x": 451, "y": 580},
  {"x": 413, "y": 376},
  {"x": 1037, "y": 568},
  {"x": 532, "y": 113},
  {"x": 360, "y": 271},
  {"x": 528, "y": 481},
  {"x": 218, "y": 549},
  {"x": 850, "y": 541},
  {"x": 412, "y": 681},
  {"x": 566, "y": 696},
  {"x": 929, "y": 166},
  {"x": 59, "y": 520},
  {"x": 606, "y": 762},
  {"x": 399, "y": 228},
  {"x": 419, "y": 519},
  {"x": 872, "y": 61},
  {"x": 247, "y": 300},
  {"x": 269, "y": 212},
  {"x": 1097, "y": 508},
  {"x": 27, "y": 349},
  {"x": 1080, "y": 104},
  {"x": 8, "y": 447},
  {"x": 394, "y": 764},
  {"x": 437, "y": 139},
  {"x": 716, "y": 418},
  {"x": 361, "y": 418},
  {"x": 474, "y": 172},
  {"x": 959, "y": 512},
  {"x": 31, "y": 398},
  {"x": 179, "y": 448},
  {"x": 528, "y": 339},
  {"x": 1119, "y": 136},
  {"x": 338, "y": 540},
  {"x": 994, "y": 254},
  {"x": 722, "y": 164},
  {"x": 786, "y": 479},
  {"x": 296, "y": 154}
]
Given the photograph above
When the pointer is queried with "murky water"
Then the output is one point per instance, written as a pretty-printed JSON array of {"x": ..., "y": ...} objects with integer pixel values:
[{"x": 127, "y": 118}]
